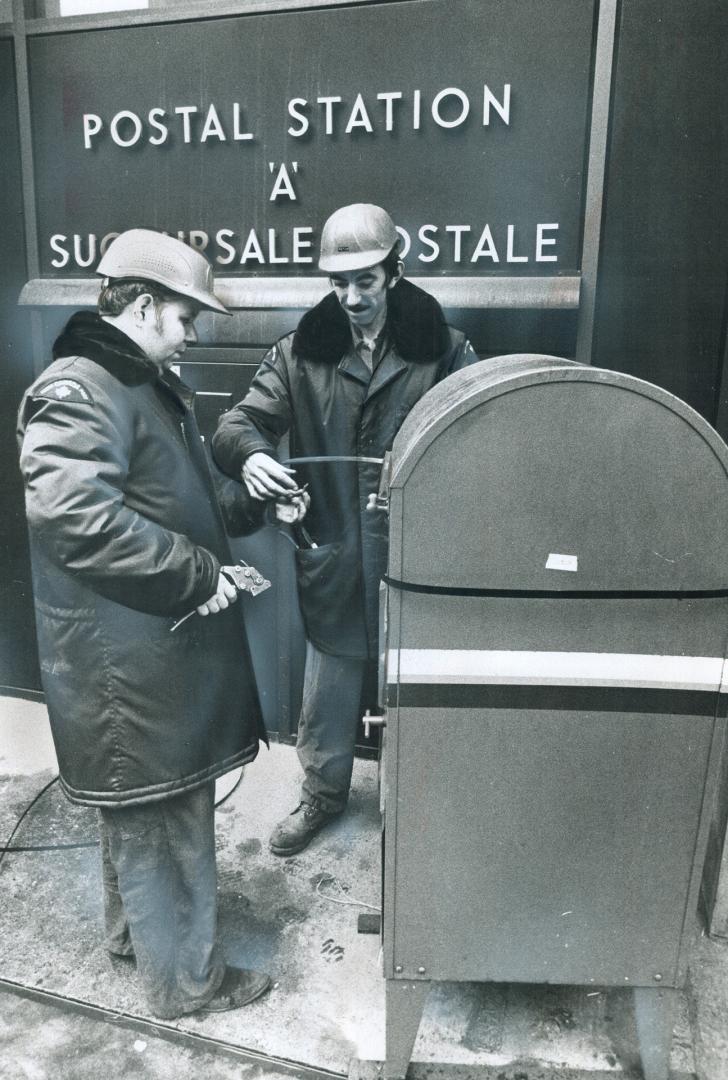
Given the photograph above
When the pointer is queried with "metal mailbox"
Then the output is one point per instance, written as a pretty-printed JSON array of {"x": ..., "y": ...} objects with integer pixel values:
[{"x": 556, "y": 625}]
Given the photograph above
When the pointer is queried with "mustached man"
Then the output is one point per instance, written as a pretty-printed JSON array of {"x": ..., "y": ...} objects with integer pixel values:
[{"x": 341, "y": 385}]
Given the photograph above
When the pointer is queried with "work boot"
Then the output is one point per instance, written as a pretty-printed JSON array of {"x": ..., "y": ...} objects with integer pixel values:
[
  {"x": 238, "y": 987},
  {"x": 297, "y": 830}
]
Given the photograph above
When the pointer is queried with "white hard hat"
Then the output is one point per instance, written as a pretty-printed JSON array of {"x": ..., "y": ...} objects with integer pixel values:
[
  {"x": 151, "y": 256},
  {"x": 355, "y": 237}
]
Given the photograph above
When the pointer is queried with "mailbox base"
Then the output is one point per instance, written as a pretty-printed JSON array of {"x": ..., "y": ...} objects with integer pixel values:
[
  {"x": 654, "y": 1014},
  {"x": 405, "y": 1002},
  {"x": 654, "y": 1017}
]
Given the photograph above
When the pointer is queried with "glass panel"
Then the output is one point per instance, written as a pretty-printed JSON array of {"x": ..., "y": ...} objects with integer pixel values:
[
  {"x": 94, "y": 7},
  {"x": 53, "y": 9}
]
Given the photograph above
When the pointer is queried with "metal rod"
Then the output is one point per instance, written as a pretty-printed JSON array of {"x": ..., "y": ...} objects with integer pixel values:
[
  {"x": 164, "y": 1030},
  {"x": 22, "y": 88},
  {"x": 30, "y": 216},
  {"x": 594, "y": 199},
  {"x": 320, "y": 458}
]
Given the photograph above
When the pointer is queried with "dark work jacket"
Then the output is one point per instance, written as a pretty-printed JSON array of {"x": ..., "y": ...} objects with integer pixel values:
[
  {"x": 126, "y": 536},
  {"x": 313, "y": 384}
]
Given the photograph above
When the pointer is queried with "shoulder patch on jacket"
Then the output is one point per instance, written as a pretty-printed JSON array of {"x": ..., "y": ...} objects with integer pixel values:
[{"x": 63, "y": 390}]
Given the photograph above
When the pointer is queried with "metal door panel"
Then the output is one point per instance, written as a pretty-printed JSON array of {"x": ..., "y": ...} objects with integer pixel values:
[{"x": 541, "y": 847}]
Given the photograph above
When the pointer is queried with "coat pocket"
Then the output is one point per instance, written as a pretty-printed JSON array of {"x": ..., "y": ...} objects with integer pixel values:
[
  {"x": 317, "y": 570},
  {"x": 329, "y": 593}
]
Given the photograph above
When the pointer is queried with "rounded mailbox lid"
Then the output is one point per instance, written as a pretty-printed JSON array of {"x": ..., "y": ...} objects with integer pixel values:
[{"x": 531, "y": 472}]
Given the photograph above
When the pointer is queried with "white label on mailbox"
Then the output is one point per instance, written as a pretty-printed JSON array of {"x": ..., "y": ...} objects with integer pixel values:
[{"x": 562, "y": 562}]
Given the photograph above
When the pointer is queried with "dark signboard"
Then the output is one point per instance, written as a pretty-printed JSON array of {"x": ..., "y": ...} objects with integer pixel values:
[{"x": 467, "y": 119}]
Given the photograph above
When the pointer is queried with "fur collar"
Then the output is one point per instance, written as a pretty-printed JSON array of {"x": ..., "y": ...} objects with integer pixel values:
[
  {"x": 415, "y": 323},
  {"x": 87, "y": 334}
]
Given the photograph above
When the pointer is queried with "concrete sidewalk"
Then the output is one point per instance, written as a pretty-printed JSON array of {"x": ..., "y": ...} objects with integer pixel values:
[{"x": 296, "y": 918}]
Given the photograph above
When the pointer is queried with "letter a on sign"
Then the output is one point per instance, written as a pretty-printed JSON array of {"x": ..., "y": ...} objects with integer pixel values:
[{"x": 283, "y": 185}]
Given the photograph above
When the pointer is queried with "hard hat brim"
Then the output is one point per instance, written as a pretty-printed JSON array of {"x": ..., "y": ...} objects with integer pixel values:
[
  {"x": 353, "y": 260},
  {"x": 209, "y": 301},
  {"x": 203, "y": 298}
]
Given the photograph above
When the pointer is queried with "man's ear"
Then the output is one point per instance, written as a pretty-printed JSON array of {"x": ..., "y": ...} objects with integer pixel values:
[
  {"x": 396, "y": 275},
  {"x": 143, "y": 306}
]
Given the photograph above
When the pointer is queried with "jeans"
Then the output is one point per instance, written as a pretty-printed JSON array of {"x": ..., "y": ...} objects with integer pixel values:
[
  {"x": 330, "y": 712},
  {"x": 160, "y": 897}
]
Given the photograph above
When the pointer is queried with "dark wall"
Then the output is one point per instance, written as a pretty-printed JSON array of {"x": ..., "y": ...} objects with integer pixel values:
[
  {"x": 662, "y": 283},
  {"x": 496, "y": 333},
  {"x": 661, "y": 300},
  {"x": 18, "y": 661}
]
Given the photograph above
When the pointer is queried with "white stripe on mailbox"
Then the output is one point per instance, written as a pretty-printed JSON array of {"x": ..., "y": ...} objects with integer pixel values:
[{"x": 498, "y": 666}]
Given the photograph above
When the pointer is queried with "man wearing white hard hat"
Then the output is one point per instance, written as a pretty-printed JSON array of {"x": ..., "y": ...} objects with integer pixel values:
[
  {"x": 126, "y": 537},
  {"x": 341, "y": 385}
]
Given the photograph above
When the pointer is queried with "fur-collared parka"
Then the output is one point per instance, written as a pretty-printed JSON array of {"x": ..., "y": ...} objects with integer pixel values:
[
  {"x": 314, "y": 385},
  {"x": 126, "y": 536}
]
